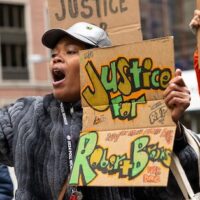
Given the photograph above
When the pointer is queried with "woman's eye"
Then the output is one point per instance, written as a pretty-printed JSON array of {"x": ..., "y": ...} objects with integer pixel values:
[
  {"x": 53, "y": 55},
  {"x": 70, "y": 52}
]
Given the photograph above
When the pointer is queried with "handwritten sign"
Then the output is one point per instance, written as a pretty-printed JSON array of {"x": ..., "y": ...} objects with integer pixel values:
[
  {"x": 129, "y": 157},
  {"x": 107, "y": 14},
  {"x": 128, "y": 133}
]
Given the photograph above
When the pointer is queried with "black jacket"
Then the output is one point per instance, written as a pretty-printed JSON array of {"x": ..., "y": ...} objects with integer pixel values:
[{"x": 6, "y": 185}]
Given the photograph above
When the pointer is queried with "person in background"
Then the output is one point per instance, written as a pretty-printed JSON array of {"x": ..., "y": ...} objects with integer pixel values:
[
  {"x": 34, "y": 131},
  {"x": 194, "y": 25},
  {"x": 6, "y": 185}
]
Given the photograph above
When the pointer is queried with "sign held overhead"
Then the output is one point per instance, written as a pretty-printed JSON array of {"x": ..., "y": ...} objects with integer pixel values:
[{"x": 107, "y": 14}]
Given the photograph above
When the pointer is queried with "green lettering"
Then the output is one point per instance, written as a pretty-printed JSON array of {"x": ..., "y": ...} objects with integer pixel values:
[
  {"x": 116, "y": 106},
  {"x": 139, "y": 157},
  {"x": 109, "y": 85},
  {"x": 135, "y": 70},
  {"x": 82, "y": 166},
  {"x": 155, "y": 78},
  {"x": 118, "y": 161},
  {"x": 134, "y": 102}
]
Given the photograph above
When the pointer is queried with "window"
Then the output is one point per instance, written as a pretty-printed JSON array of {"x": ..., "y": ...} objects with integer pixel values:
[
  {"x": 163, "y": 18},
  {"x": 13, "y": 42}
]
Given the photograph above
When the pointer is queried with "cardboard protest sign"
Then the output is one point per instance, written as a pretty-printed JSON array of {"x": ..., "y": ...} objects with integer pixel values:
[
  {"x": 127, "y": 136},
  {"x": 120, "y": 18},
  {"x": 198, "y": 32}
]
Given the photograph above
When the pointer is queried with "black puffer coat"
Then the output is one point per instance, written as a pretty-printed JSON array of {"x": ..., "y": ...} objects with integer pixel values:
[{"x": 6, "y": 185}]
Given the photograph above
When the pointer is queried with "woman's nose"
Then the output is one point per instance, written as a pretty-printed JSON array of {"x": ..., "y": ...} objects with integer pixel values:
[{"x": 57, "y": 59}]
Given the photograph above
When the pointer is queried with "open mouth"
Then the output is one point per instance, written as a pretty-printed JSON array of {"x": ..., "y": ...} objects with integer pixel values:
[{"x": 58, "y": 75}]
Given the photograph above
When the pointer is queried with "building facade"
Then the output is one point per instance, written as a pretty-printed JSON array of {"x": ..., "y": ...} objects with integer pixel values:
[
  {"x": 23, "y": 60},
  {"x": 163, "y": 18},
  {"x": 160, "y": 18}
]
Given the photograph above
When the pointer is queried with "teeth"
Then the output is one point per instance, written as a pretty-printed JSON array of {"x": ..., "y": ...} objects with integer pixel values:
[{"x": 57, "y": 72}]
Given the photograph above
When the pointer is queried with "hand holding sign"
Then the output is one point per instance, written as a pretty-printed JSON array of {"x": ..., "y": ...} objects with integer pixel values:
[{"x": 177, "y": 96}]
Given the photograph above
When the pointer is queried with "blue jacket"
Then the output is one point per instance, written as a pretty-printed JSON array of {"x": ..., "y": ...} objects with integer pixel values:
[{"x": 6, "y": 185}]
